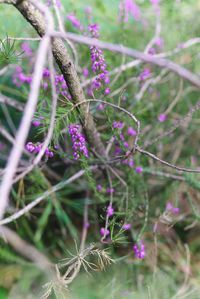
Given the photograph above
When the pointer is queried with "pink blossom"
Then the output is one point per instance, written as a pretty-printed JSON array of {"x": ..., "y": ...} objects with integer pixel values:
[
  {"x": 155, "y": 2},
  {"x": 159, "y": 42},
  {"x": 104, "y": 232},
  {"x": 131, "y": 132},
  {"x": 162, "y": 117},
  {"x": 26, "y": 48},
  {"x": 85, "y": 72},
  {"x": 36, "y": 123},
  {"x": 145, "y": 74},
  {"x": 126, "y": 226},
  {"x": 110, "y": 210},
  {"x": 139, "y": 250},
  {"x": 99, "y": 188},
  {"x": 139, "y": 169},
  {"x": 127, "y": 8},
  {"x": 110, "y": 190},
  {"x": 118, "y": 124},
  {"x": 107, "y": 91},
  {"x": 170, "y": 207},
  {"x": 75, "y": 22}
]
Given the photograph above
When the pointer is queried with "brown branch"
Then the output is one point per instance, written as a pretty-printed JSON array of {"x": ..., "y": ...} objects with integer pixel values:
[{"x": 61, "y": 55}]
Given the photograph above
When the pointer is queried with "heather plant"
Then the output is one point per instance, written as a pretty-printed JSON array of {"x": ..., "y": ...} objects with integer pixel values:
[{"x": 99, "y": 167}]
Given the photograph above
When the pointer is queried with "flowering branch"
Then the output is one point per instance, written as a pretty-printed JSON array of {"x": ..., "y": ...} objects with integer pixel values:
[{"x": 61, "y": 55}]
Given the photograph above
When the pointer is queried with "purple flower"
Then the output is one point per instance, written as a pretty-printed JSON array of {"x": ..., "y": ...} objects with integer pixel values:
[
  {"x": 49, "y": 153},
  {"x": 139, "y": 169},
  {"x": 131, "y": 132},
  {"x": 126, "y": 144},
  {"x": 145, "y": 74},
  {"x": 38, "y": 147},
  {"x": 94, "y": 30},
  {"x": 118, "y": 124},
  {"x": 154, "y": 2},
  {"x": 86, "y": 225},
  {"x": 27, "y": 49},
  {"x": 58, "y": 3},
  {"x": 126, "y": 226},
  {"x": 101, "y": 107},
  {"x": 170, "y": 207},
  {"x": 46, "y": 73},
  {"x": 110, "y": 190},
  {"x": 104, "y": 232},
  {"x": 110, "y": 211},
  {"x": 79, "y": 142},
  {"x": 129, "y": 7},
  {"x": 85, "y": 72},
  {"x": 139, "y": 250},
  {"x": 159, "y": 42},
  {"x": 152, "y": 51},
  {"x": 107, "y": 91},
  {"x": 98, "y": 63},
  {"x": 30, "y": 147},
  {"x": 75, "y": 22},
  {"x": 162, "y": 117},
  {"x": 19, "y": 78},
  {"x": 36, "y": 123},
  {"x": 99, "y": 188},
  {"x": 131, "y": 163}
]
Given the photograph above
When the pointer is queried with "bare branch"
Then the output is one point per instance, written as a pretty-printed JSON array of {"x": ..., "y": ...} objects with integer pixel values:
[{"x": 165, "y": 63}]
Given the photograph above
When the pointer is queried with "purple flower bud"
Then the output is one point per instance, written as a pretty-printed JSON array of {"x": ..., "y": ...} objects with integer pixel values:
[
  {"x": 131, "y": 132},
  {"x": 27, "y": 49},
  {"x": 145, "y": 74},
  {"x": 162, "y": 117},
  {"x": 30, "y": 147},
  {"x": 139, "y": 169},
  {"x": 110, "y": 190},
  {"x": 104, "y": 232},
  {"x": 107, "y": 91},
  {"x": 118, "y": 124},
  {"x": 110, "y": 211},
  {"x": 126, "y": 226},
  {"x": 85, "y": 72},
  {"x": 139, "y": 250},
  {"x": 171, "y": 208},
  {"x": 99, "y": 188},
  {"x": 36, "y": 123},
  {"x": 75, "y": 22}
]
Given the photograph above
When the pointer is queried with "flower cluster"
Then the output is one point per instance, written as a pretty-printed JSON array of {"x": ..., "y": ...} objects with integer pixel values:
[
  {"x": 74, "y": 21},
  {"x": 19, "y": 78},
  {"x": 35, "y": 148},
  {"x": 139, "y": 250},
  {"x": 61, "y": 86},
  {"x": 98, "y": 63},
  {"x": 78, "y": 140},
  {"x": 171, "y": 208}
]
